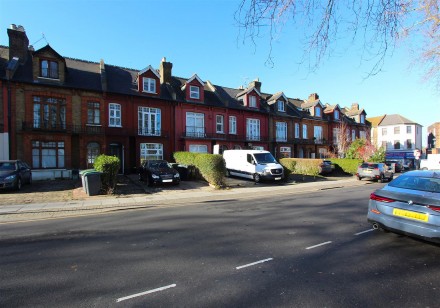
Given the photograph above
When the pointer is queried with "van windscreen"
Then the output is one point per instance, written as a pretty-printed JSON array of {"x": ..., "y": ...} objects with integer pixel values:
[{"x": 264, "y": 158}]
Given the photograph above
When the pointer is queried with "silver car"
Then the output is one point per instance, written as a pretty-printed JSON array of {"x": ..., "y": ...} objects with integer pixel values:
[
  {"x": 375, "y": 171},
  {"x": 410, "y": 204}
]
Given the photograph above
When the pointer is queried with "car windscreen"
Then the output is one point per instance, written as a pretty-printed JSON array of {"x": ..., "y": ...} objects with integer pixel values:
[
  {"x": 371, "y": 166},
  {"x": 417, "y": 183},
  {"x": 158, "y": 164},
  {"x": 264, "y": 158},
  {"x": 7, "y": 166}
]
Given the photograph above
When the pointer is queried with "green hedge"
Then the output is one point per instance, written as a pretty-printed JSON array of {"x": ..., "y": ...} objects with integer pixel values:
[
  {"x": 109, "y": 166},
  {"x": 210, "y": 167},
  {"x": 346, "y": 165},
  {"x": 304, "y": 166}
]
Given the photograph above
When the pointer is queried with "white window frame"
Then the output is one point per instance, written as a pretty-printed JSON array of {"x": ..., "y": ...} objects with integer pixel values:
[
  {"x": 297, "y": 134},
  {"x": 252, "y": 101},
  {"x": 281, "y": 106},
  {"x": 198, "y": 148},
  {"x": 220, "y": 124},
  {"x": 149, "y": 85},
  {"x": 281, "y": 131},
  {"x": 195, "y": 124},
  {"x": 233, "y": 125},
  {"x": 114, "y": 115},
  {"x": 253, "y": 129},
  {"x": 150, "y": 151},
  {"x": 149, "y": 121},
  {"x": 304, "y": 131},
  {"x": 194, "y": 92}
]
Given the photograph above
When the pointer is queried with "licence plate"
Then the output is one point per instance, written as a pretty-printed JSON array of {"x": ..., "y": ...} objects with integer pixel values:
[
  {"x": 167, "y": 181},
  {"x": 411, "y": 215},
  {"x": 277, "y": 178}
]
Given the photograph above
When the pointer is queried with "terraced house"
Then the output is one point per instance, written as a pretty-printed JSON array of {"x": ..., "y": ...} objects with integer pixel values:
[{"x": 60, "y": 113}]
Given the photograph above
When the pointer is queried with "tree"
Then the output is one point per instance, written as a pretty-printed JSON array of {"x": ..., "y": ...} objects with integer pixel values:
[
  {"x": 365, "y": 150},
  {"x": 379, "y": 24},
  {"x": 342, "y": 138}
]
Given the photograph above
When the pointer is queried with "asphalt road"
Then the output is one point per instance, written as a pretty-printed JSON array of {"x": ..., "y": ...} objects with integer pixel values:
[{"x": 307, "y": 250}]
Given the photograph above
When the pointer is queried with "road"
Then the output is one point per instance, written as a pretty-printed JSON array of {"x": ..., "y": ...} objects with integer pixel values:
[{"x": 299, "y": 250}]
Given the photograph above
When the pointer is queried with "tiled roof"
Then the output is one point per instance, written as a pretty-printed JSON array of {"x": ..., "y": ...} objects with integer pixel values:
[
  {"x": 375, "y": 121},
  {"x": 393, "y": 119}
]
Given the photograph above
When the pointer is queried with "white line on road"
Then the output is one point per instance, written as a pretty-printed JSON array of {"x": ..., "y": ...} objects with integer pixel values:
[
  {"x": 145, "y": 293},
  {"x": 364, "y": 232},
  {"x": 322, "y": 244},
  {"x": 254, "y": 263}
]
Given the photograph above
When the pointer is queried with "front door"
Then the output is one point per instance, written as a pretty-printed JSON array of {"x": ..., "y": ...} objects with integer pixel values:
[{"x": 116, "y": 149}]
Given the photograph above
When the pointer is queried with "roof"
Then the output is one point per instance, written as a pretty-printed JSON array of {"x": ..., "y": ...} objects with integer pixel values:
[
  {"x": 375, "y": 121},
  {"x": 394, "y": 119}
]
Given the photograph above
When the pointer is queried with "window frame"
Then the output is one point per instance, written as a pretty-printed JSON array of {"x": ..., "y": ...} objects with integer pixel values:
[
  {"x": 146, "y": 148},
  {"x": 114, "y": 115},
  {"x": 48, "y": 154},
  {"x": 232, "y": 125},
  {"x": 281, "y": 106},
  {"x": 149, "y": 121},
  {"x": 149, "y": 85},
  {"x": 49, "y": 112},
  {"x": 194, "y": 92},
  {"x": 220, "y": 125},
  {"x": 304, "y": 131},
  {"x": 253, "y": 129},
  {"x": 318, "y": 112},
  {"x": 281, "y": 131},
  {"x": 49, "y": 71},
  {"x": 93, "y": 113},
  {"x": 252, "y": 101}
]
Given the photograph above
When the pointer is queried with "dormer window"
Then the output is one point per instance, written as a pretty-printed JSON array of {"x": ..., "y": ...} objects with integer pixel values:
[
  {"x": 49, "y": 69},
  {"x": 362, "y": 118},
  {"x": 281, "y": 106},
  {"x": 336, "y": 114},
  {"x": 149, "y": 85},
  {"x": 194, "y": 92},
  {"x": 252, "y": 101},
  {"x": 317, "y": 112}
]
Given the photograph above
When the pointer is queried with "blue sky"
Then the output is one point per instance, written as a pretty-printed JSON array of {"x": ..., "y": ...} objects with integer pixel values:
[{"x": 202, "y": 37}]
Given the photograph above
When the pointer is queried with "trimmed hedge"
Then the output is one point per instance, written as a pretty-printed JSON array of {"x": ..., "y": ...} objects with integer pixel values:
[
  {"x": 304, "y": 166},
  {"x": 346, "y": 165},
  {"x": 109, "y": 166},
  {"x": 210, "y": 167}
]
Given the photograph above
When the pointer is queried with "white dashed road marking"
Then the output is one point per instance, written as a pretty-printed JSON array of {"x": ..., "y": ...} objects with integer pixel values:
[
  {"x": 322, "y": 244},
  {"x": 254, "y": 263},
  {"x": 145, "y": 293},
  {"x": 364, "y": 232}
]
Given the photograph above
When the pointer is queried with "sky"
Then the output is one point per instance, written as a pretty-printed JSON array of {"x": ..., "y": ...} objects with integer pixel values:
[{"x": 202, "y": 37}]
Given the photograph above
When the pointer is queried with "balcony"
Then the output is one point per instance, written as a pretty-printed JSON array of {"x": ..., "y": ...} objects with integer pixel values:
[{"x": 152, "y": 133}]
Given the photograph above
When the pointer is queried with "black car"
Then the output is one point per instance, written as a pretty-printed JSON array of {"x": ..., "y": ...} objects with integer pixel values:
[
  {"x": 158, "y": 172},
  {"x": 398, "y": 167},
  {"x": 14, "y": 173}
]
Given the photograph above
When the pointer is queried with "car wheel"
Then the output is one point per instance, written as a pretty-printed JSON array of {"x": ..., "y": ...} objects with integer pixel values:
[
  {"x": 381, "y": 179},
  {"x": 359, "y": 178},
  {"x": 148, "y": 181},
  {"x": 18, "y": 184},
  {"x": 390, "y": 178},
  {"x": 257, "y": 178}
]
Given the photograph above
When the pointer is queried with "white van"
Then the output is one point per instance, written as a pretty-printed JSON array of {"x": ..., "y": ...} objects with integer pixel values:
[
  {"x": 432, "y": 162},
  {"x": 253, "y": 164}
]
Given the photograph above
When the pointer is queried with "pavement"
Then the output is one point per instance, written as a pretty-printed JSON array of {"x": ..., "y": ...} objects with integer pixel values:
[{"x": 187, "y": 192}]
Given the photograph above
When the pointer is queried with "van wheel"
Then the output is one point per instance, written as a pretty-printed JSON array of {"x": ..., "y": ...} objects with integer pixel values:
[
  {"x": 228, "y": 173},
  {"x": 257, "y": 178}
]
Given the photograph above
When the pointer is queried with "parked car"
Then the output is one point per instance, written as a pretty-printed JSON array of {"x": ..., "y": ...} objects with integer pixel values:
[
  {"x": 326, "y": 167},
  {"x": 158, "y": 172},
  {"x": 375, "y": 171},
  {"x": 14, "y": 173},
  {"x": 410, "y": 204},
  {"x": 396, "y": 165}
]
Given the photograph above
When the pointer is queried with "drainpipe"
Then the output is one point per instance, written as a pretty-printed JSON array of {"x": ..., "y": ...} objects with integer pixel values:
[{"x": 8, "y": 86}]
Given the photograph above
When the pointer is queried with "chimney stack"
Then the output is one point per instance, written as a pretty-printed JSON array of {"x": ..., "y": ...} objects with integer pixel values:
[
  {"x": 355, "y": 106},
  {"x": 165, "y": 70},
  {"x": 18, "y": 43},
  {"x": 313, "y": 97},
  {"x": 256, "y": 84}
]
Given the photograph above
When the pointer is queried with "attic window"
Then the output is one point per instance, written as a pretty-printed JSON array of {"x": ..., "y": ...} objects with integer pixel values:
[
  {"x": 49, "y": 69},
  {"x": 149, "y": 85},
  {"x": 281, "y": 106},
  {"x": 362, "y": 119},
  {"x": 336, "y": 114},
  {"x": 194, "y": 92},
  {"x": 317, "y": 112},
  {"x": 252, "y": 101}
]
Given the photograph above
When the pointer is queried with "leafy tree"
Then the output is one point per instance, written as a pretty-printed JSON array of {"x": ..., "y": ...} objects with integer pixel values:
[
  {"x": 379, "y": 24},
  {"x": 365, "y": 150}
]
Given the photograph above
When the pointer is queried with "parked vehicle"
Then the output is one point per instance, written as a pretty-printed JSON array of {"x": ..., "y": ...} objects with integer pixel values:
[
  {"x": 396, "y": 165},
  {"x": 253, "y": 164},
  {"x": 432, "y": 162},
  {"x": 374, "y": 171},
  {"x": 14, "y": 173},
  {"x": 410, "y": 204},
  {"x": 158, "y": 172},
  {"x": 326, "y": 167}
]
